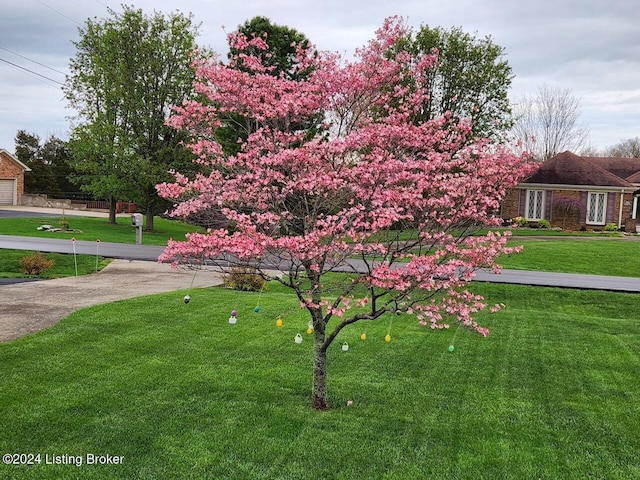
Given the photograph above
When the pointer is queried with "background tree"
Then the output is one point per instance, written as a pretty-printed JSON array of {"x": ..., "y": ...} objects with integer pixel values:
[
  {"x": 590, "y": 151},
  {"x": 49, "y": 162},
  {"x": 549, "y": 123},
  {"x": 278, "y": 59},
  {"x": 127, "y": 73},
  {"x": 629, "y": 148},
  {"x": 41, "y": 178},
  {"x": 470, "y": 79},
  {"x": 344, "y": 198},
  {"x": 56, "y": 152}
]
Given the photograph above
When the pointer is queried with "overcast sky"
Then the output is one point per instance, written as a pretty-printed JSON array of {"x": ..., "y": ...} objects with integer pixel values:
[{"x": 590, "y": 46}]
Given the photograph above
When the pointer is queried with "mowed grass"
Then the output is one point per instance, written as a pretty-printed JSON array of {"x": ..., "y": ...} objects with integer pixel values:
[
  {"x": 180, "y": 393},
  {"x": 91, "y": 229},
  {"x": 597, "y": 257},
  {"x": 65, "y": 265}
]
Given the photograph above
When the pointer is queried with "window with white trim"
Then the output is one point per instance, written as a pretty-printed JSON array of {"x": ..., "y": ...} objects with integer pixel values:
[
  {"x": 596, "y": 208},
  {"x": 534, "y": 209}
]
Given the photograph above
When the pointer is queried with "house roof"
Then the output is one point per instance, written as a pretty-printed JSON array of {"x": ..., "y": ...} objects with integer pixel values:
[
  {"x": 621, "y": 167},
  {"x": 567, "y": 168},
  {"x": 635, "y": 178},
  {"x": 6, "y": 153}
]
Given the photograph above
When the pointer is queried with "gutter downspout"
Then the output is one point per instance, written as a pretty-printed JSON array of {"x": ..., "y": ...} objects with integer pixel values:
[{"x": 620, "y": 212}]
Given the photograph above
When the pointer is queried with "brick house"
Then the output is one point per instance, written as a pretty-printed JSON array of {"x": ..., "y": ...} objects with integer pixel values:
[
  {"x": 11, "y": 178},
  {"x": 579, "y": 193}
]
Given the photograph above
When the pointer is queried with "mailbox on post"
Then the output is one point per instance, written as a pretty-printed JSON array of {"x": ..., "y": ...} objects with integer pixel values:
[{"x": 136, "y": 221}]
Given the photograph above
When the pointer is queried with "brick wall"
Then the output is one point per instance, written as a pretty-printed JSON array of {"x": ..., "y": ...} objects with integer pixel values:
[
  {"x": 571, "y": 218},
  {"x": 510, "y": 204},
  {"x": 566, "y": 218},
  {"x": 11, "y": 170},
  {"x": 628, "y": 223}
]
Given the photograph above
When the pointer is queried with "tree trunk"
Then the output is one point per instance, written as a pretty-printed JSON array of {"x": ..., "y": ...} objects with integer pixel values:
[
  {"x": 112, "y": 210},
  {"x": 320, "y": 400},
  {"x": 149, "y": 218}
]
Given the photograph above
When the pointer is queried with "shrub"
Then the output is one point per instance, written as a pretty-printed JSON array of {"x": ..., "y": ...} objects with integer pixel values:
[
  {"x": 520, "y": 221},
  {"x": 611, "y": 227},
  {"x": 544, "y": 223},
  {"x": 35, "y": 264},
  {"x": 244, "y": 278}
]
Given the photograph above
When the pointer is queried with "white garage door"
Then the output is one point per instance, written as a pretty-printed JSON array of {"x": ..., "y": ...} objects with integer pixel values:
[{"x": 7, "y": 188}]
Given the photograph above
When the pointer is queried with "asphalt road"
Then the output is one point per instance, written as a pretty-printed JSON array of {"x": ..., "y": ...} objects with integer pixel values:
[
  {"x": 151, "y": 253},
  {"x": 104, "y": 249},
  {"x": 7, "y": 213},
  {"x": 12, "y": 214}
]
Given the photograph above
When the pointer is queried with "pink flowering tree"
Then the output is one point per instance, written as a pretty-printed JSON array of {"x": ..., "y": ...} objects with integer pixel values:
[{"x": 368, "y": 190}]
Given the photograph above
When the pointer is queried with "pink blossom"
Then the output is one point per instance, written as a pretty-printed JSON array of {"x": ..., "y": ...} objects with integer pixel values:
[{"x": 319, "y": 198}]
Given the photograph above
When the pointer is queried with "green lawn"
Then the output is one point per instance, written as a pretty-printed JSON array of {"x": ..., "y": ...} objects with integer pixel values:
[
  {"x": 92, "y": 228},
  {"x": 598, "y": 257},
  {"x": 65, "y": 265},
  {"x": 179, "y": 393}
]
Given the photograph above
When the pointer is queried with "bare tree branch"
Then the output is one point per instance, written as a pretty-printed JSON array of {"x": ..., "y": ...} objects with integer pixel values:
[{"x": 549, "y": 123}]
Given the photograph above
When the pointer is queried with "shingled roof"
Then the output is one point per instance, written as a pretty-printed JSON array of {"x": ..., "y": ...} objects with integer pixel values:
[
  {"x": 567, "y": 168},
  {"x": 621, "y": 167}
]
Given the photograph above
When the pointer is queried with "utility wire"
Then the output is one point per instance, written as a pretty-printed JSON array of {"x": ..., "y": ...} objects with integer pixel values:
[
  {"x": 30, "y": 71},
  {"x": 58, "y": 12},
  {"x": 31, "y": 60}
]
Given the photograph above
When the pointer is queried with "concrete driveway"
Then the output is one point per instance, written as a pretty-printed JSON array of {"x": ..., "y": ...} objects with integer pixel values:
[
  {"x": 7, "y": 211},
  {"x": 33, "y": 306}
]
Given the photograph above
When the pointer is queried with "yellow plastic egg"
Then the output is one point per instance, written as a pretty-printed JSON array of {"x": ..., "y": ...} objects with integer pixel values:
[
  {"x": 387, "y": 338},
  {"x": 309, "y": 331},
  {"x": 279, "y": 322},
  {"x": 363, "y": 336}
]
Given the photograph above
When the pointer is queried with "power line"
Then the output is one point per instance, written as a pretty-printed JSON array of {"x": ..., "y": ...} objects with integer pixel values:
[
  {"x": 31, "y": 60},
  {"x": 58, "y": 12},
  {"x": 30, "y": 71}
]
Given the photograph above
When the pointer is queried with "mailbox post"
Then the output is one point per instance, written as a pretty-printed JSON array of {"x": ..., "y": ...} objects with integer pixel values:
[{"x": 136, "y": 221}]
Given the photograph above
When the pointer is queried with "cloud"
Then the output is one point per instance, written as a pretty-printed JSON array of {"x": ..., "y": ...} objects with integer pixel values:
[{"x": 590, "y": 46}]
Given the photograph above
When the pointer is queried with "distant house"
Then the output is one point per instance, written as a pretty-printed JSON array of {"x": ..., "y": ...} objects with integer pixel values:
[
  {"x": 11, "y": 178},
  {"x": 579, "y": 193}
]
